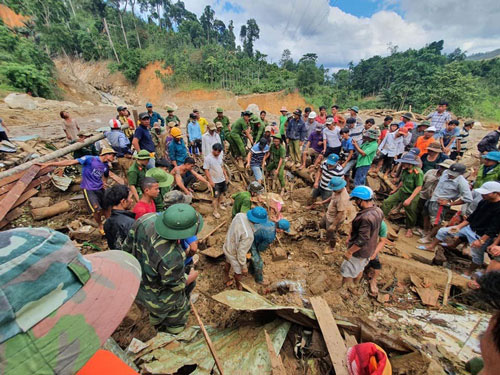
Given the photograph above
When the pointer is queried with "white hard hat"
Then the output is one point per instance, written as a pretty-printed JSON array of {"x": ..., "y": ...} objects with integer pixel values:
[
  {"x": 312, "y": 115},
  {"x": 431, "y": 129},
  {"x": 115, "y": 123}
]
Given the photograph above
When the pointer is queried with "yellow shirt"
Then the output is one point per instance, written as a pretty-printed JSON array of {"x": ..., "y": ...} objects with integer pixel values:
[{"x": 203, "y": 124}]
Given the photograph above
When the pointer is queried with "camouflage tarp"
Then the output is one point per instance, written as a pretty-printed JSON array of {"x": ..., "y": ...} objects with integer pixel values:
[{"x": 242, "y": 350}]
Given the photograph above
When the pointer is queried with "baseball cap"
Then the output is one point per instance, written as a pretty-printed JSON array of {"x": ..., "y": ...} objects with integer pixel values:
[
  {"x": 218, "y": 124},
  {"x": 143, "y": 115},
  {"x": 329, "y": 120},
  {"x": 319, "y": 127},
  {"x": 268, "y": 129},
  {"x": 149, "y": 105},
  {"x": 121, "y": 108},
  {"x": 489, "y": 187},
  {"x": 59, "y": 306},
  {"x": 212, "y": 126},
  {"x": 457, "y": 169}
]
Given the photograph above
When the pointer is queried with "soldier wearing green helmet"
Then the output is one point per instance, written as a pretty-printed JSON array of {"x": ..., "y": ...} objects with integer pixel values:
[
  {"x": 276, "y": 164},
  {"x": 240, "y": 132},
  {"x": 226, "y": 129},
  {"x": 171, "y": 117},
  {"x": 165, "y": 287}
]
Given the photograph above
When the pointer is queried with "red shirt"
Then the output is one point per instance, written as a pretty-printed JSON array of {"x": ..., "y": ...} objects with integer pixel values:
[
  {"x": 320, "y": 119},
  {"x": 383, "y": 133},
  {"x": 142, "y": 208}
]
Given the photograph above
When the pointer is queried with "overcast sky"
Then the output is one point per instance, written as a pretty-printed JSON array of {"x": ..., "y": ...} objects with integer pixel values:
[{"x": 340, "y": 31}]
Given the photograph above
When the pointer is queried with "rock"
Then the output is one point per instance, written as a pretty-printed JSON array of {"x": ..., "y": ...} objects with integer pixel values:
[
  {"x": 278, "y": 253},
  {"x": 319, "y": 284},
  {"x": 254, "y": 108},
  {"x": 38, "y": 202},
  {"x": 20, "y": 101}
]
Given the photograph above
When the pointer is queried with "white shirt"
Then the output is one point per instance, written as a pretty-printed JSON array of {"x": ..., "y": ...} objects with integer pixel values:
[
  {"x": 391, "y": 146},
  {"x": 208, "y": 140},
  {"x": 332, "y": 137},
  {"x": 214, "y": 166}
]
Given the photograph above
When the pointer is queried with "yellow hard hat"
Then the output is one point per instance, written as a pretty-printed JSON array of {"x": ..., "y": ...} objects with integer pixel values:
[{"x": 176, "y": 132}]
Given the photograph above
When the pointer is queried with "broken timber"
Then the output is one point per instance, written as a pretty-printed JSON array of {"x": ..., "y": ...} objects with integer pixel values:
[
  {"x": 53, "y": 155},
  {"x": 277, "y": 367},
  {"x": 17, "y": 190},
  {"x": 331, "y": 335}
]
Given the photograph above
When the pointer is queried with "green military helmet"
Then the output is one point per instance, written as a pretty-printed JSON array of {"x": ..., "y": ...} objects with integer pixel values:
[
  {"x": 254, "y": 119},
  {"x": 219, "y": 110},
  {"x": 372, "y": 133},
  {"x": 178, "y": 222},
  {"x": 170, "y": 109},
  {"x": 163, "y": 178},
  {"x": 143, "y": 155}
]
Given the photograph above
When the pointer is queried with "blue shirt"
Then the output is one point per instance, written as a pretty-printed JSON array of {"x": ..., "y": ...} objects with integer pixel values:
[
  {"x": 92, "y": 172},
  {"x": 194, "y": 131},
  {"x": 447, "y": 136},
  {"x": 264, "y": 235},
  {"x": 347, "y": 145},
  {"x": 296, "y": 129},
  {"x": 2, "y": 129},
  {"x": 177, "y": 151},
  {"x": 118, "y": 141},
  {"x": 144, "y": 137},
  {"x": 154, "y": 117}
]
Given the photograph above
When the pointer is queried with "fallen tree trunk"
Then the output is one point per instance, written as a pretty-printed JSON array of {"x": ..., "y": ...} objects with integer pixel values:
[
  {"x": 54, "y": 155},
  {"x": 46, "y": 212}
]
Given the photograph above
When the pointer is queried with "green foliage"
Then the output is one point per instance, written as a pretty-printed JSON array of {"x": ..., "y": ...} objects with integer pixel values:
[{"x": 24, "y": 66}]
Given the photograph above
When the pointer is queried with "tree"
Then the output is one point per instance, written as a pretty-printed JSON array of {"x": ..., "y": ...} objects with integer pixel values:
[
  {"x": 286, "y": 61},
  {"x": 207, "y": 21},
  {"x": 249, "y": 33}
]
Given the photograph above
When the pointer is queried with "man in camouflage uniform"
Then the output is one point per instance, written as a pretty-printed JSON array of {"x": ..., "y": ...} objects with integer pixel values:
[
  {"x": 165, "y": 288},
  {"x": 58, "y": 306}
]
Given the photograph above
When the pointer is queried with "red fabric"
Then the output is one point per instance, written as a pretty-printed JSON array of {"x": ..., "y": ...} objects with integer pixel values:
[
  {"x": 320, "y": 119},
  {"x": 105, "y": 363},
  {"x": 383, "y": 133},
  {"x": 368, "y": 359},
  {"x": 142, "y": 208},
  {"x": 409, "y": 125},
  {"x": 131, "y": 124}
]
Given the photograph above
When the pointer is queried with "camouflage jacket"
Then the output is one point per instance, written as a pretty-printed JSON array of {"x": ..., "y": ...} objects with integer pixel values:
[{"x": 162, "y": 263}]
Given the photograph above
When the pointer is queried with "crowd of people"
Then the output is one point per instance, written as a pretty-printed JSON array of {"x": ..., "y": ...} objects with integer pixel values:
[{"x": 148, "y": 214}]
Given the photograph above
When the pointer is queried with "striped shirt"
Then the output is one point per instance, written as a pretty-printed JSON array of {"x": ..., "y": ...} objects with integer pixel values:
[
  {"x": 258, "y": 155},
  {"x": 327, "y": 174},
  {"x": 356, "y": 133},
  {"x": 462, "y": 137}
]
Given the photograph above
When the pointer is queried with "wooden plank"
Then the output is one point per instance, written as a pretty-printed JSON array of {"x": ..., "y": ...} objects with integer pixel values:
[
  {"x": 331, "y": 335},
  {"x": 208, "y": 340},
  {"x": 17, "y": 190},
  {"x": 447, "y": 288},
  {"x": 350, "y": 340},
  {"x": 6, "y": 187},
  {"x": 277, "y": 367},
  {"x": 23, "y": 198},
  {"x": 33, "y": 184}
]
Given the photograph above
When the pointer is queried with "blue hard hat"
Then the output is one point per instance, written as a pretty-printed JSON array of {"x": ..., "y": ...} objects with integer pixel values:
[
  {"x": 332, "y": 159},
  {"x": 336, "y": 183},
  {"x": 149, "y": 105},
  {"x": 257, "y": 215},
  {"x": 284, "y": 224},
  {"x": 492, "y": 155},
  {"x": 362, "y": 192}
]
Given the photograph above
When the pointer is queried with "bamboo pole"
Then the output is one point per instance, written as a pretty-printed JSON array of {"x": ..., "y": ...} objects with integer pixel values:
[{"x": 54, "y": 155}]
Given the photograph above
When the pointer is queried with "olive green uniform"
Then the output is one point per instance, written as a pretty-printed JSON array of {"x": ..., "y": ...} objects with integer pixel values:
[
  {"x": 237, "y": 135},
  {"x": 277, "y": 153},
  {"x": 135, "y": 175},
  {"x": 411, "y": 179}
]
